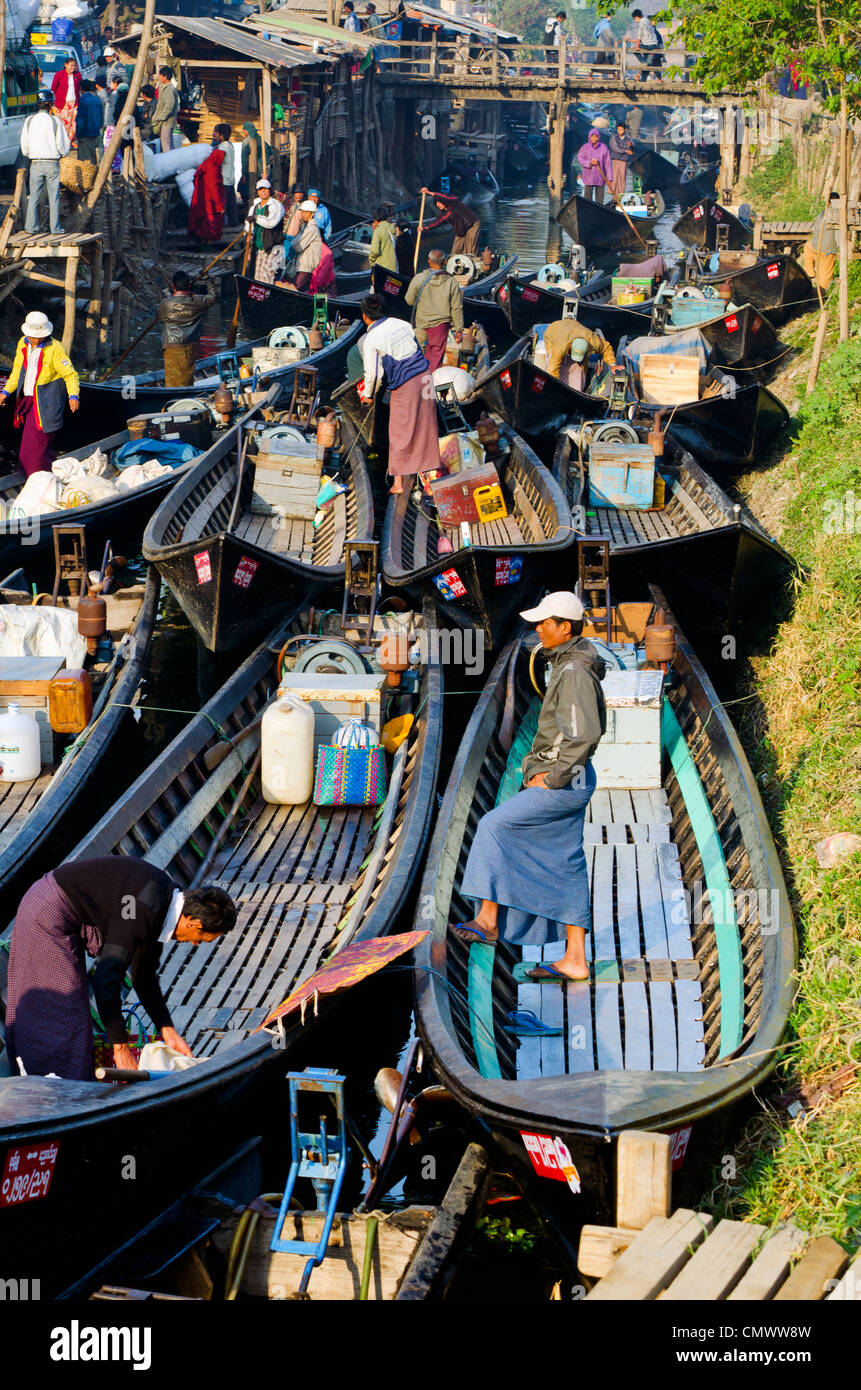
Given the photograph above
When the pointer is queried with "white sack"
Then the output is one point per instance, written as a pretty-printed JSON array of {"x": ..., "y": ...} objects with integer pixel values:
[
  {"x": 27, "y": 631},
  {"x": 463, "y": 382}
]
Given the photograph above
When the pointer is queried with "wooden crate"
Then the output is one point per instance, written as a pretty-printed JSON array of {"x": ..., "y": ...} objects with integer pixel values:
[
  {"x": 666, "y": 380},
  {"x": 287, "y": 484}
]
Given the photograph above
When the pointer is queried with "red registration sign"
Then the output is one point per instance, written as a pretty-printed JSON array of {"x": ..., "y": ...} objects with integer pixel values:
[
  {"x": 203, "y": 566},
  {"x": 698, "y": 212},
  {"x": 551, "y": 1158},
  {"x": 505, "y": 379},
  {"x": 245, "y": 572},
  {"x": 530, "y": 296},
  {"x": 731, "y": 324},
  {"x": 772, "y": 271},
  {"x": 27, "y": 1174}
]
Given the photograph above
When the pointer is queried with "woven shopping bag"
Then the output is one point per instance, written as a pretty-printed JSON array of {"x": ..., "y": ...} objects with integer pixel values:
[
  {"x": 350, "y": 777},
  {"x": 103, "y": 1051}
]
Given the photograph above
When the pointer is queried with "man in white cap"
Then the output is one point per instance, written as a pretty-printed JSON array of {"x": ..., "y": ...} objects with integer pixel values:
[
  {"x": 306, "y": 249},
  {"x": 265, "y": 223},
  {"x": 116, "y": 71},
  {"x": 43, "y": 377},
  {"x": 526, "y": 865}
]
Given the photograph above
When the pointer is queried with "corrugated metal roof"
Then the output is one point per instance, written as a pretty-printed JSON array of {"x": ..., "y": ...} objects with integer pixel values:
[
  {"x": 237, "y": 39},
  {"x": 304, "y": 32},
  {"x": 428, "y": 14}
]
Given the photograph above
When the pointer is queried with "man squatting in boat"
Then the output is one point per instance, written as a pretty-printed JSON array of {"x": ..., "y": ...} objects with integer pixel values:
[
  {"x": 526, "y": 865},
  {"x": 118, "y": 910}
]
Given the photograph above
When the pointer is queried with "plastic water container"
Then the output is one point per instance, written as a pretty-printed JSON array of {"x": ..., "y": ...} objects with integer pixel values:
[
  {"x": 287, "y": 751},
  {"x": 20, "y": 759}
]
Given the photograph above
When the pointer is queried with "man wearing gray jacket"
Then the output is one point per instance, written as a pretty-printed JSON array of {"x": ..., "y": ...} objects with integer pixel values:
[
  {"x": 436, "y": 300},
  {"x": 166, "y": 107},
  {"x": 526, "y": 865}
]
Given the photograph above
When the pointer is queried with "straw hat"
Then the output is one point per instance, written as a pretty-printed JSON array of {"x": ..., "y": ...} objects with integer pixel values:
[{"x": 37, "y": 326}]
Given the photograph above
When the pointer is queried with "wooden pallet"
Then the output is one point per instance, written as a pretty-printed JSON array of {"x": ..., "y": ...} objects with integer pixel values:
[{"x": 685, "y": 1256}]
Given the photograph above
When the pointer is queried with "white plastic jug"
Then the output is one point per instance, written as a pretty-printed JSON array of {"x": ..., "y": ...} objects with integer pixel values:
[
  {"x": 287, "y": 751},
  {"x": 20, "y": 755}
]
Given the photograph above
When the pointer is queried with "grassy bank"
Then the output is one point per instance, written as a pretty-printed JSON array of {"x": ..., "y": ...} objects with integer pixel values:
[
  {"x": 773, "y": 189},
  {"x": 801, "y": 725}
]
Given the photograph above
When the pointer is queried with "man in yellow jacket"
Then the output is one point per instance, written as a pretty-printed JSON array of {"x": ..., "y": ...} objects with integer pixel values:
[
  {"x": 566, "y": 338},
  {"x": 42, "y": 376}
]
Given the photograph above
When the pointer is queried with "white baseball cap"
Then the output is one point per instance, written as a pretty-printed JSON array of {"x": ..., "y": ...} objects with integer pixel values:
[
  {"x": 108, "y": 53},
  {"x": 308, "y": 206},
  {"x": 263, "y": 183},
  {"x": 37, "y": 326},
  {"x": 562, "y": 604}
]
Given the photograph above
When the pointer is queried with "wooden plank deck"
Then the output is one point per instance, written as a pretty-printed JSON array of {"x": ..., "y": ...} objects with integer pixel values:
[{"x": 643, "y": 1010}]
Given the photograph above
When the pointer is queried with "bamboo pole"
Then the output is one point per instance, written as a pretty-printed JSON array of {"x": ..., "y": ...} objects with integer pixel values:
[
  {"x": 134, "y": 88},
  {"x": 419, "y": 237},
  {"x": 843, "y": 292},
  {"x": 266, "y": 114},
  {"x": 818, "y": 345},
  {"x": 618, "y": 201}
]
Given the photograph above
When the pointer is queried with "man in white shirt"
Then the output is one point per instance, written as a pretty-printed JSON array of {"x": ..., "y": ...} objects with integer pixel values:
[
  {"x": 44, "y": 141},
  {"x": 351, "y": 21}
]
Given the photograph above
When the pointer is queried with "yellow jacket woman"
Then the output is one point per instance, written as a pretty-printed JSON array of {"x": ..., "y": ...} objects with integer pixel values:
[{"x": 43, "y": 376}]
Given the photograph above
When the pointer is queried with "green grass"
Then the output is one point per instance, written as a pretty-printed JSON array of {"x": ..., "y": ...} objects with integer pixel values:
[
  {"x": 802, "y": 732},
  {"x": 773, "y": 189}
]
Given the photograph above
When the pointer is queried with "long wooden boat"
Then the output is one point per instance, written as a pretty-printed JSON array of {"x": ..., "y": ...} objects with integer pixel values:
[
  {"x": 656, "y": 171},
  {"x": 39, "y": 819},
  {"x": 505, "y": 564},
  {"x": 528, "y": 303},
  {"x": 265, "y": 307},
  {"x": 602, "y": 227},
  {"x": 120, "y": 519},
  {"x": 233, "y": 571},
  {"x": 744, "y": 337},
  {"x": 690, "y": 989},
  {"x": 480, "y": 304},
  {"x": 107, "y": 402},
  {"x": 722, "y": 431},
  {"x": 308, "y": 880},
  {"x": 707, "y": 553},
  {"x": 700, "y": 225},
  {"x": 776, "y": 285}
]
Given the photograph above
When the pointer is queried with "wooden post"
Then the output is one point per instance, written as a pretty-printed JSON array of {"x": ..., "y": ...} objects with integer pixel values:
[
  {"x": 70, "y": 281},
  {"x": 14, "y": 209},
  {"x": 267, "y": 126},
  {"x": 727, "y": 153},
  {"x": 556, "y": 177},
  {"x": 563, "y": 47},
  {"x": 644, "y": 1178},
  {"x": 434, "y": 55},
  {"x": 494, "y": 61},
  {"x": 818, "y": 345},
  {"x": 843, "y": 291},
  {"x": 134, "y": 88},
  {"x": 92, "y": 322},
  {"x": 105, "y": 309}
]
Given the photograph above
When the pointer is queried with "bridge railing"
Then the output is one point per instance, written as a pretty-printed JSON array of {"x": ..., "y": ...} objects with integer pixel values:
[{"x": 469, "y": 60}]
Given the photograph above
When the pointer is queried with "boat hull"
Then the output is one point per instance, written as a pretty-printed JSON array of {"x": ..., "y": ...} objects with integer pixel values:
[
  {"x": 699, "y": 227},
  {"x": 777, "y": 286},
  {"x": 601, "y": 227},
  {"x": 478, "y": 305},
  {"x": 528, "y": 304}
]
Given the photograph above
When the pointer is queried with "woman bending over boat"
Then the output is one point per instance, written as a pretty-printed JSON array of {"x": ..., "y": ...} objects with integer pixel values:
[{"x": 526, "y": 865}]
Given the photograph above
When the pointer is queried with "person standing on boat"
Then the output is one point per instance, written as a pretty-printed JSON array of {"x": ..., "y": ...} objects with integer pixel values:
[
  {"x": 405, "y": 247},
  {"x": 596, "y": 167},
  {"x": 382, "y": 248},
  {"x": 436, "y": 300},
  {"x": 119, "y": 910},
  {"x": 526, "y": 865},
  {"x": 292, "y": 215},
  {"x": 621, "y": 148},
  {"x": 42, "y": 376},
  {"x": 464, "y": 222},
  {"x": 391, "y": 355},
  {"x": 265, "y": 223},
  {"x": 181, "y": 317}
]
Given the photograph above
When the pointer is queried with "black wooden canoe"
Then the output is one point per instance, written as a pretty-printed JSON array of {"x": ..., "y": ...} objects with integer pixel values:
[
  {"x": 724, "y": 432},
  {"x": 656, "y": 171},
  {"x": 699, "y": 226},
  {"x": 709, "y": 554},
  {"x": 264, "y": 307},
  {"x": 39, "y": 819},
  {"x": 307, "y": 881},
  {"x": 29, "y": 541},
  {"x": 690, "y": 994},
  {"x": 109, "y": 401},
  {"x": 234, "y": 572},
  {"x": 602, "y": 227},
  {"x": 528, "y": 303},
  {"x": 744, "y": 337},
  {"x": 776, "y": 285}
]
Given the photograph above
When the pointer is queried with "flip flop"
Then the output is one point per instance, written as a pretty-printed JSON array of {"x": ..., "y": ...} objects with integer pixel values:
[
  {"x": 524, "y": 1021},
  {"x": 545, "y": 974},
  {"x": 474, "y": 933}
]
